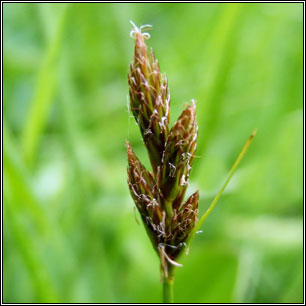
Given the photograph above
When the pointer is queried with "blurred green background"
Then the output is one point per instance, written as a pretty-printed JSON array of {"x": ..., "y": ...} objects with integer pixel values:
[{"x": 69, "y": 229}]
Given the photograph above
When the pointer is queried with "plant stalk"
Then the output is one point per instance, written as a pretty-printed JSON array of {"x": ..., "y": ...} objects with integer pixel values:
[
  {"x": 168, "y": 290},
  {"x": 168, "y": 286}
]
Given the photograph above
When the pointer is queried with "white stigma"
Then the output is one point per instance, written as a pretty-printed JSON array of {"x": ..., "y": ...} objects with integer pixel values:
[{"x": 135, "y": 30}]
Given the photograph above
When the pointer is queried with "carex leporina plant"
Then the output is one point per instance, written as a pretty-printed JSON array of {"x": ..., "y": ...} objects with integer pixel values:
[
  {"x": 159, "y": 195},
  {"x": 169, "y": 219}
]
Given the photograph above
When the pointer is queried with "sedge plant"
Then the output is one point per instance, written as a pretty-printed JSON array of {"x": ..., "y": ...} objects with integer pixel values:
[{"x": 170, "y": 221}]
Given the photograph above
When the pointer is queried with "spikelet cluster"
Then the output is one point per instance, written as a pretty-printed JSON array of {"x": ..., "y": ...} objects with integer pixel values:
[{"x": 159, "y": 195}]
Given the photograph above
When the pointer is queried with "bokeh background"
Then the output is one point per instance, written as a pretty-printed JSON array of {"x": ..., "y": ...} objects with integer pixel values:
[{"x": 69, "y": 230}]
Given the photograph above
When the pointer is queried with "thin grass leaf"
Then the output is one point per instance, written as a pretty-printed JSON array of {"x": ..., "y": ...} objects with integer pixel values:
[
  {"x": 217, "y": 197},
  {"x": 26, "y": 202},
  {"x": 27, "y": 247},
  {"x": 44, "y": 92},
  {"x": 221, "y": 52}
]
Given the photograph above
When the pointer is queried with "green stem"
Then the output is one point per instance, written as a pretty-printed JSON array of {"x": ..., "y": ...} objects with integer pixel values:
[{"x": 168, "y": 286}]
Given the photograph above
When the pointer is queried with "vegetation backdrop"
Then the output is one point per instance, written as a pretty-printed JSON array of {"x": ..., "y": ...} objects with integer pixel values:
[{"x": 69, "y": 230}]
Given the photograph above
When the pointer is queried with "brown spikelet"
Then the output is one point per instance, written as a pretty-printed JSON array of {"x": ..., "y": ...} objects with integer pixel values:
[
  {"x": 178, "y": 157},
  {"x": 149, "y": 100},
  {"x": 159, "y": 194}
]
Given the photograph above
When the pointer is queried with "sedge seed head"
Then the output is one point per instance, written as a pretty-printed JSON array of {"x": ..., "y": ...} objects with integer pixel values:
[{"x": 159, "y": 195}]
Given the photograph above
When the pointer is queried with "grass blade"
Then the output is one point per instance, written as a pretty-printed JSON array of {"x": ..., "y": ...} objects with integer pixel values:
[
  {"x": 40, "y": 106},
  {"x": 217, "y": 197}
]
